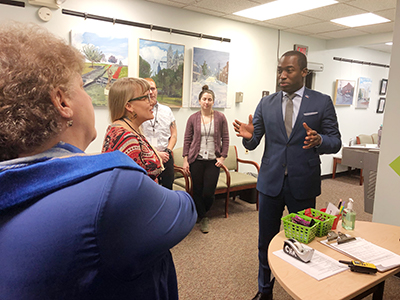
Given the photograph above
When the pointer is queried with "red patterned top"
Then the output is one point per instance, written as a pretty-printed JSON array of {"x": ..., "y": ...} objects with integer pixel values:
[{"x": 135, "y": 146}]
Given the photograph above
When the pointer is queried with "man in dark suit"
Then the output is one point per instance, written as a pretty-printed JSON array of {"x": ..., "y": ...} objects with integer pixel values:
[{"x": 295, "y": 136}]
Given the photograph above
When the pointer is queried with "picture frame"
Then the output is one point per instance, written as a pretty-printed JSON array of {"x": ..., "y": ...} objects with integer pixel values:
[
  {"x": 383, "y": 88},
  {"x": 344, "y": 92},
  {"x": 363, "y": 92},
  {"x": 164, "y": 63},
  {"x": 106, "y": 60},
  {"x": 381, "y": 105},
  {"x": 211, "y": 68}
]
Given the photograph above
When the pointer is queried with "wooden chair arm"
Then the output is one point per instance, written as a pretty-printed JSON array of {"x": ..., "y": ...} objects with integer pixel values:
[
  {"x": 228, "y": 176},
  {"x": 249, "y": 162},
  {"x": 188, "y": 179}
]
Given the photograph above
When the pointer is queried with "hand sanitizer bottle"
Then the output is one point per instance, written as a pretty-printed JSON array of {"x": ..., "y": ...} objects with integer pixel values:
[{"x": 349, "y": 216}]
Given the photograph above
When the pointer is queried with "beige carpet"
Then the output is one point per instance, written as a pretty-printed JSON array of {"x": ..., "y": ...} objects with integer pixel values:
[{"x": 223, "y": 264}]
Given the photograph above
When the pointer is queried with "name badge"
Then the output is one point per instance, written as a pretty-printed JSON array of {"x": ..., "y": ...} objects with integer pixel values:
[{"x": 205, "y": 154}]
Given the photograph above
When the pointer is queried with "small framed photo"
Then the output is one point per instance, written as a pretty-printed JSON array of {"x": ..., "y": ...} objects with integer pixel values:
[
  {"x": 381, "y": 106},
  {"x": 383, "y": 89}
]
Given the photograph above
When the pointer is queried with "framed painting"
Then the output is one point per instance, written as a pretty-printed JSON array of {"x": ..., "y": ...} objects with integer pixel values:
[
  {"x": 106, "y": 61},
  {"x": 163, "y": 62},
  {"x": 210, "y": 67},
  {"x": 381, "y": 106},
  {"x": 344, "y": 92},
  {"x": 383, "y": 89},
  {"x": 363, "y": 92}
]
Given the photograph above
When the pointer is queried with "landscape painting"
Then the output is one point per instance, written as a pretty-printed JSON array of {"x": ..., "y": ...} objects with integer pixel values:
[
  {"x": 163, "y": 62},
  {"x": 364, "y": 92},
  {"x": 210, "y": 68},
  {"x": 344, "y": 92},
  {"x": 106, "y": 61}
]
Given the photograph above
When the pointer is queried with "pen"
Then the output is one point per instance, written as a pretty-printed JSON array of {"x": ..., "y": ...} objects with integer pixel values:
[{"x": 340, "y": 204}]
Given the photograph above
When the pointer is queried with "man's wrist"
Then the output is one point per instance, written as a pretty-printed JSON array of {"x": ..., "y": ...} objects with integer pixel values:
[{"x": 169, "y": 151}]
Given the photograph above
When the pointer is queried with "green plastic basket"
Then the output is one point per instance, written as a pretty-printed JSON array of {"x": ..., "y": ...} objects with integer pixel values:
[
  {"x": 299, "y": 232},
  {"x": 323, "y": 226}
]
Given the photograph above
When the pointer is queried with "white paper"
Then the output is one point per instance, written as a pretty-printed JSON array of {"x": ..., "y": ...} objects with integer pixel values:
[
  {"x": 365, "y": 251},
  {"x": 332, "y": 209},
  {"x": 320, "y": 267}
]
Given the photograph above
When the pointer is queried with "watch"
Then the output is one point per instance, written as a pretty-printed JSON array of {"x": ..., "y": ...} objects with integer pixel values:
[{"x": 169, "y": 151}]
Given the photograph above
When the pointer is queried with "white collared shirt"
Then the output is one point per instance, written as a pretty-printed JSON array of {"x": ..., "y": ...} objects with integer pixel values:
[
  {"x": 296, "y": 104},
  {"x": 158, "y": 130}
]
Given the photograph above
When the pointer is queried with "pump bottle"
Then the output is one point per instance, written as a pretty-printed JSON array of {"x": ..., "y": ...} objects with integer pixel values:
[{"x": 349, "y": 216}]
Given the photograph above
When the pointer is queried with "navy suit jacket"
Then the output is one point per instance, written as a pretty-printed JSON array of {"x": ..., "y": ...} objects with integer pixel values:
[{"x": 303, "y": 165}]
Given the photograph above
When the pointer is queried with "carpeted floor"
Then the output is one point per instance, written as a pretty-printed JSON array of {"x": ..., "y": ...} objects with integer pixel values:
[{"x": 223, "y": 264}]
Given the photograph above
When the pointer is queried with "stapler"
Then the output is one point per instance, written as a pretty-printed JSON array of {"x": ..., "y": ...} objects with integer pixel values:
[{"x": 297, "y": 250}]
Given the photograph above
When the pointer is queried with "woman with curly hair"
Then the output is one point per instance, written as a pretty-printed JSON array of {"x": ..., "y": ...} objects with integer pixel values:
[{"x": 74, "y": 226}]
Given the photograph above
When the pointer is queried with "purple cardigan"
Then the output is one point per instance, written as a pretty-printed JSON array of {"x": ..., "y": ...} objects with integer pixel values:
[{"x": 191, "y": 144}]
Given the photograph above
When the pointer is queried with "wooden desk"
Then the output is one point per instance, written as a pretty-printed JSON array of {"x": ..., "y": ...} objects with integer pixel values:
[{"x": 345, "y": 285}]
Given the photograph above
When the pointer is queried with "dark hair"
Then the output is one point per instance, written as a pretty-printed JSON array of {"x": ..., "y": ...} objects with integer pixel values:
[
  {"x": 301, "y": 58},
  {"x": 205, "y": 89},
  {"x": 33, "y": 63}
]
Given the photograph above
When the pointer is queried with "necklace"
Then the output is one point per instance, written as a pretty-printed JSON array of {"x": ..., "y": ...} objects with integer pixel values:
[{"x": 123, "y": 119}]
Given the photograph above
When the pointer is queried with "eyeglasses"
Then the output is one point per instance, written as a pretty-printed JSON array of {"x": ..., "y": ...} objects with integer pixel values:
[{"x": 147, "y": 97}]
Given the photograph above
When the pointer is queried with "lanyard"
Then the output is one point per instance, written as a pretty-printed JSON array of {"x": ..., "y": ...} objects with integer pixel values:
[
  {"x": 155, "y": 119},
  {"x": 209, "y": 129}
]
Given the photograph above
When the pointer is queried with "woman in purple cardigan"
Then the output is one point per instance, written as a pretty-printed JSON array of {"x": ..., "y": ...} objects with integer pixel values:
[{"x": 204, "y": 151}]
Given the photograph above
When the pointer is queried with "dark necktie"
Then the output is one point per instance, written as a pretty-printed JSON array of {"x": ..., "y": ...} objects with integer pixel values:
[{"x": 289, "y": 114}]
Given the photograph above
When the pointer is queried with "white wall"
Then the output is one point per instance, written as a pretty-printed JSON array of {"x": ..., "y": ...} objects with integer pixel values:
[
  {"x": 387, "y": 204},
  {"x": 253, "y": 56}
]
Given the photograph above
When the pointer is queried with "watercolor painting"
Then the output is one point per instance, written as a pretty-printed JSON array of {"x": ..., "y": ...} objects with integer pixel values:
[
  {"x": 210, "y": 68},
  {"x": 344, "y": 92},
  {"x": 163, "y": 62},
  {"x": 106, "y": 61},
  {"x": 363, "y": 92}
]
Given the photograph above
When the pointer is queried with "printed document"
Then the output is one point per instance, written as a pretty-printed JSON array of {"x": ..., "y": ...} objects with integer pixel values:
[
  {"x": 365, "y": 251},
  {"x": 320, "y": 267}
]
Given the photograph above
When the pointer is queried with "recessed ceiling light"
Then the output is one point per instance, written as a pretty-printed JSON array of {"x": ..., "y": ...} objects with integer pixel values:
[
  {"x": 360, "y": 20},
  {"x": 389, "y": 43},
  {"x": 281, "y": 8}
]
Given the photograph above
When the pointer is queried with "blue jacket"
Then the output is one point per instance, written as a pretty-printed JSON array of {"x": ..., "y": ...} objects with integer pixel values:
[
  {"x": 303, "y": 165},
  {"x": 95, "y": 227}
]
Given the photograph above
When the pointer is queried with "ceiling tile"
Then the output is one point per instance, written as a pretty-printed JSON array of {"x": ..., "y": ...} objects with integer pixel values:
[
  {"x": 373, "y": 5},
  {"x": 321, "y": 27},
  {"x": 339, "y": 34},
  {"x": 378, "y": 28},
  {"x": 226, "y": 6},
  {"x": 296, "y": 31},
  {"x": 334, "y": 11},
  {"x": 388, "y": 14},
  {"x": 293, "y": 21},
  {"x": 314, "y": 23},
  {"x": 205, "y": 11}
]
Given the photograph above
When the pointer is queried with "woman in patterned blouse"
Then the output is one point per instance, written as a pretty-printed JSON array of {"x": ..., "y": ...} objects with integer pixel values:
[{"x": 129, "y": 104}]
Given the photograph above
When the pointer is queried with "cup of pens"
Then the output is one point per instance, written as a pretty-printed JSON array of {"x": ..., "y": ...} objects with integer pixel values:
[
  {"x": 334, "y": 225},
  {"x": 338, "y": 213}
]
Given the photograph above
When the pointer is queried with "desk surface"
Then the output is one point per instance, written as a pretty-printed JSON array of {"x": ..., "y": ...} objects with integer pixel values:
[{"x": 344, "y": 285}]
